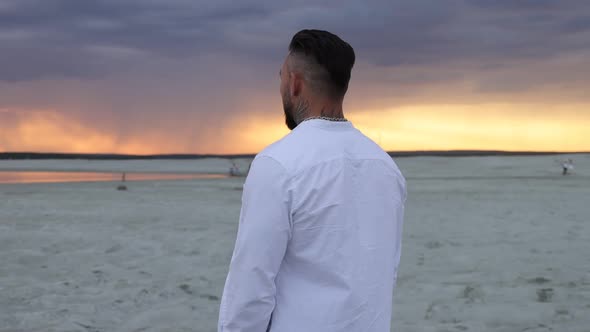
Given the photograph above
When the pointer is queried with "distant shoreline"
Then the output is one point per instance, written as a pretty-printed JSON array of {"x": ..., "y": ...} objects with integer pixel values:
[{"x": 108, "y": 156}]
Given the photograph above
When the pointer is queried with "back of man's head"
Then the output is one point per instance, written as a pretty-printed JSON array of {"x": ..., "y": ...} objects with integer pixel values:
[{"x": 325, "y": 61}]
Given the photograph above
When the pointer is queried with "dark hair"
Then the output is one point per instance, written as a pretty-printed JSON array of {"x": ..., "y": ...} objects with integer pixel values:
[{"x": 330, "y": 52}]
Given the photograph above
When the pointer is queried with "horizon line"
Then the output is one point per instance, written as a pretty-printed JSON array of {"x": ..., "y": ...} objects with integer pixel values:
[{"x": 409, "y": 153}]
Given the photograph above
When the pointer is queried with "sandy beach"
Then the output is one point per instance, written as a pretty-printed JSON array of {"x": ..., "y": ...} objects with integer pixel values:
[{"x": 490, "y": 244}]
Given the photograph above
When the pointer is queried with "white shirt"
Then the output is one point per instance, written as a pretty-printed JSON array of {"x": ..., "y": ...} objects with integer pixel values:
[{"x": 319, "y": 237}]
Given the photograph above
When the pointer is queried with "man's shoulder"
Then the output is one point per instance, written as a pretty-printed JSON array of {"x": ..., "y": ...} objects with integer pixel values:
[
  {"x": 278, "y": 151},
  {"x": 299, "y": 149}
]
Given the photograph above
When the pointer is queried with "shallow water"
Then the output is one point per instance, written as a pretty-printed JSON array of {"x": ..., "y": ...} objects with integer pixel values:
[{"x": 61, "y": 177}]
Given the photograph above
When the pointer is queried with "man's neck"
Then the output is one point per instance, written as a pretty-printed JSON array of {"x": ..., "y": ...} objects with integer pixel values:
[
  {"x": 326, "y": 109},
  {"x": 317, "y": 108}
]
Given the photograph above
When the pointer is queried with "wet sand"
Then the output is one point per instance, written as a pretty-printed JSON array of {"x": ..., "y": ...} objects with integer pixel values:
[{"x": 490, "y": 244}]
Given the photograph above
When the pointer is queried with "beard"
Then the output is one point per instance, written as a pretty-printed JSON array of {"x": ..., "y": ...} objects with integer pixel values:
[{"x": 289, "y": 108}]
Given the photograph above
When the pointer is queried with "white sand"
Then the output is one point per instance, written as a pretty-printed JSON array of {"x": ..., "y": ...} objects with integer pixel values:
[{"x": 490, "y": 244}]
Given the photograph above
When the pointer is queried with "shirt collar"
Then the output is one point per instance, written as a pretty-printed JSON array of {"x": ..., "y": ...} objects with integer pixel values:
[{"x": 327, "y": 124}]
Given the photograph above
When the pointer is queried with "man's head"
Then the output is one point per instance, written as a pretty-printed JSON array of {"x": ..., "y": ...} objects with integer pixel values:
[{"x": 318, "y": 67}]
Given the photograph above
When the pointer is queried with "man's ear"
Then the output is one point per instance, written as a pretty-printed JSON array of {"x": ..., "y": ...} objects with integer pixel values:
[{"x": 295, "y": 84}]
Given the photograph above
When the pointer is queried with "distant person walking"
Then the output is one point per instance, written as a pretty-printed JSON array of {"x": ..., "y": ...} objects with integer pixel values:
[
  {"x": 319, "y": 238},
  {"x": 567, "y": 165}
]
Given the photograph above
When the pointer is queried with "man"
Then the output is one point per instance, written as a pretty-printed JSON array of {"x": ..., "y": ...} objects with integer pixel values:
[{"x": 319, "y": 237}]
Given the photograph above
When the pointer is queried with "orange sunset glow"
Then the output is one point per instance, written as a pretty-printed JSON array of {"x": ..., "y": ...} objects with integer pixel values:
[{"x": 409, "y": 128}]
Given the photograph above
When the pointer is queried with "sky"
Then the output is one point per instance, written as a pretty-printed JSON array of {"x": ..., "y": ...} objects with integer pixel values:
[{"x": 190, "y": 76}]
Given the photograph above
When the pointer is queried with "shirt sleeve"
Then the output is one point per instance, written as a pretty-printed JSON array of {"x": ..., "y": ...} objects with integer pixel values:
[{"x": 263, "y": 233}]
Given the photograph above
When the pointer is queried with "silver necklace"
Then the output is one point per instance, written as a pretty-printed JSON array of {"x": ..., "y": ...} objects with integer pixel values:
[{"x": 326, "y": 118}]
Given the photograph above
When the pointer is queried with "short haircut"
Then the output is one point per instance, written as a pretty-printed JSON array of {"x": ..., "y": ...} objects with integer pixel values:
[{"x": 327, "y": 60}]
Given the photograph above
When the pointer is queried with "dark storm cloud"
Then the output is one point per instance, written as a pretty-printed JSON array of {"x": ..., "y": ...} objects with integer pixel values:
[
  {"x": 83, "y": 39},
  {"x": 190, "y": 70},
  {"x": 526, "y": 5},
  {"x": 578, "y": 24},
  {"x": 59, "y": 38},
  {"x": 439, "y": 32}
]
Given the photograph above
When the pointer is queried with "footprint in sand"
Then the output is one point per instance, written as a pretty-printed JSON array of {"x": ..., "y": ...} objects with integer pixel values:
[
  {"x": 209, "y": 297},
  {"x": 538, "y": 280},
  {"x": 544, "y": 295},
  {"x": 473, "y": 294},
  {"x": 433, "y": 245},
  {"x": 186, "y": 288}
]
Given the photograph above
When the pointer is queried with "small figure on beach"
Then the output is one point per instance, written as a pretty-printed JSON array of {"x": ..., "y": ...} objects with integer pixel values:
[
  {"x": 234, "y": 170},
  {"x": 122, "y": 186},
  {"x": 567, "y": 165}
]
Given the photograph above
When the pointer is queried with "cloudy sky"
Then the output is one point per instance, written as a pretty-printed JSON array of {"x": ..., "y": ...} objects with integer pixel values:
[{"x": 190, "y": 76}]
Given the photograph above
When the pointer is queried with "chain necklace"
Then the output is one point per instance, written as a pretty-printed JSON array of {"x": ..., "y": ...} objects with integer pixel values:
[{"x": 326, "y": 118}]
